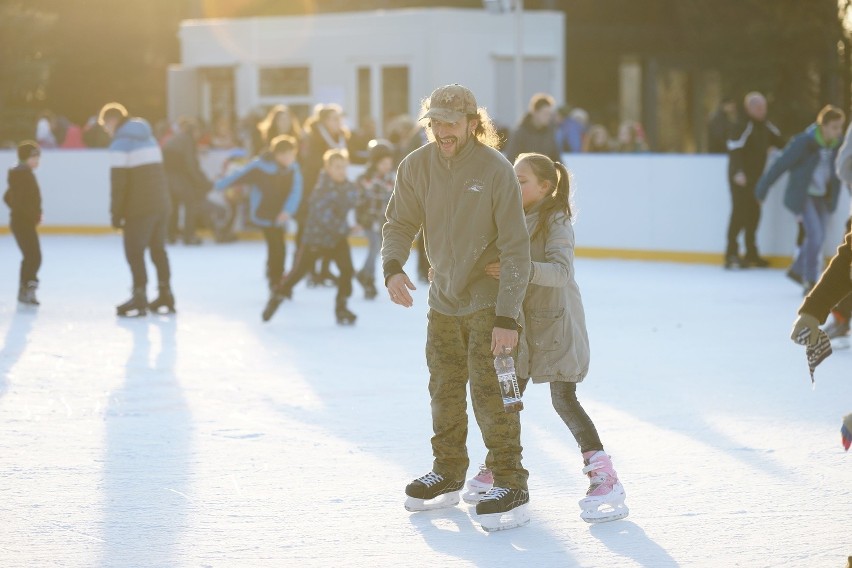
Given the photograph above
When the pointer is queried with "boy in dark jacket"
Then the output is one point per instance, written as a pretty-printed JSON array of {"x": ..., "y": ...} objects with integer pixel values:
[
  {"x": 139, "y": 206},
  {"x": 325, "y": 235},
  {"x": 24, "y": 200},
  {"x": 276, "y": 191}
]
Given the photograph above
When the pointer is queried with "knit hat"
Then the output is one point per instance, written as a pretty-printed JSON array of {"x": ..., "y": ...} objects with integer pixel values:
[
  {"x": 27, "y": 149},
  {"x": 450, "y": 103}
]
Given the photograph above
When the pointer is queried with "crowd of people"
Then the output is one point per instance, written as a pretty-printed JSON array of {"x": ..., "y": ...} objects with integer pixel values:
[
  {"x": 818, "y": 161},
  {"x": 483, "y": 264},
  {"x": 497, "y": 235},
  {"x": 237, "y": 194}
]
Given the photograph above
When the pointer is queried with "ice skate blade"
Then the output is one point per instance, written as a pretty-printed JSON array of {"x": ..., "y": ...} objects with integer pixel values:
[
  {"x": 476, "y": 490},
  {"x": 162, "y": 311},
  {"x": 443, "y": 501},
  {"x": 472, "y": 497},
  {"x": 132, "y": 314},
  {"x": 613, "y": 499},
  {"x": 595, "y": 517},
  {"x": 493, "y": 522}
]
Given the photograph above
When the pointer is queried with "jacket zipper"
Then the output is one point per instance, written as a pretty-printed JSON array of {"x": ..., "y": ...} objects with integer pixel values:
[{"x": 450, "y": 219}]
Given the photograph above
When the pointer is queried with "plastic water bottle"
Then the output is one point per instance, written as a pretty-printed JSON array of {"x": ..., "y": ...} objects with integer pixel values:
[{"x": 504, "y": 364}]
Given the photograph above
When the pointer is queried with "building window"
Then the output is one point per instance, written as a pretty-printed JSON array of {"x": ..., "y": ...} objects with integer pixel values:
[
  {"x": 394, "y": 91},
  {"x": 365, "y": 94},
  {"x": 285, "y": 81}
]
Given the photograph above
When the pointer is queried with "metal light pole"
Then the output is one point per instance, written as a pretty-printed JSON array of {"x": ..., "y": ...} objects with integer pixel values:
[{"x": 501, "y": 7}]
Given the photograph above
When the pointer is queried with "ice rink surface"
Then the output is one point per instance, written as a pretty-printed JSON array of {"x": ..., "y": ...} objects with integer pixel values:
[{"x": 211, "y": 439}]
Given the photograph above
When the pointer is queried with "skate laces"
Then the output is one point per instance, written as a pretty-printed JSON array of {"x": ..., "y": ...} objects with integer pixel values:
[
  {"x": 495, "y": 494},
  {"x": 430, "y": 479}
]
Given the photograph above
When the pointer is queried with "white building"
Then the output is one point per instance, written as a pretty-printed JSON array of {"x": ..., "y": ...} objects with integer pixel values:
[{"x": 379, "y": 64}]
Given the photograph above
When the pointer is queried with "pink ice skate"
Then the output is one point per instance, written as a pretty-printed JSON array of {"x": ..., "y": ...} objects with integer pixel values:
[
  {"x": 478, "y": 485},
  {"x": 604, "y": 501}
]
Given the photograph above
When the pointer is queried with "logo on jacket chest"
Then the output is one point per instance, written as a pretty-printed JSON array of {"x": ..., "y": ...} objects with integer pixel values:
[{"x": 474, "y": 185}]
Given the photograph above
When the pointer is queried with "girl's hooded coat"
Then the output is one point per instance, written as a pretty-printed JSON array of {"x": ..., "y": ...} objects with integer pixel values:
[{"x": 554, "y": 343}]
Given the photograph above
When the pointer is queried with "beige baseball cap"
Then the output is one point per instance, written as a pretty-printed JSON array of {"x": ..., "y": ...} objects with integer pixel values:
[{"x": 450, "y": 103}]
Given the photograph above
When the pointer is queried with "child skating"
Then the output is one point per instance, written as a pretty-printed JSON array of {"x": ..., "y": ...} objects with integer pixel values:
[
  {"x": 276, "y": 190},
  {"x": 375, "y": 188},
  {"x": 555, "y": 345},
  {"x": 24, "y": 200},
  {"x": 325, "y": 236}
]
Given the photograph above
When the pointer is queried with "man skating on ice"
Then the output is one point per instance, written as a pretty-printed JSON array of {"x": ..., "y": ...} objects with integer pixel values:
[
  {"x": 466, "y": 197},
  {"x": 747, "y": 150},
  {"x": 139, "y": 205}
]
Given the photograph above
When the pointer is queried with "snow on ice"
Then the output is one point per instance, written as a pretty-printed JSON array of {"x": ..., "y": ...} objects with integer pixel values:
[{"x": 211, "y": 439}]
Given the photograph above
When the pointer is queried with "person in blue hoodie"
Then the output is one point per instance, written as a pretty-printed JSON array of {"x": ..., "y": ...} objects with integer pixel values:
[
  {"x": 139, "y": 205},
  {"x": 276, "y": 191},
  {"x": 24, "y": 200},
  {"x": 812, "y": 187},
  {"x": 325, "y": 236}
]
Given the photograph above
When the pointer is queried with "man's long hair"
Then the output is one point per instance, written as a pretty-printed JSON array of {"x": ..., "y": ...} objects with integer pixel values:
[{"x": 485, "y": 131}]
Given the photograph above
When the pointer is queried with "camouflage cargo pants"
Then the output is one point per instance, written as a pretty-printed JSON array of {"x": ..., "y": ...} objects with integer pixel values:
[{"x": 458, "y": 348}]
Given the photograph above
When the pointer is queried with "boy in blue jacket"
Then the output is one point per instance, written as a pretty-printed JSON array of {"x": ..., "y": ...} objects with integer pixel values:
[
  {"x": 276, "y": 190},
  {"x": 325, "y": 236},
  {"x": 812, "y": 188},
  {"x": 24, "y": 200}
]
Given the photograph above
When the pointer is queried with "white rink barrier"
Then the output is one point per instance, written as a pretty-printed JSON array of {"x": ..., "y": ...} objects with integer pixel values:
[{"x": 644, "y": 206}]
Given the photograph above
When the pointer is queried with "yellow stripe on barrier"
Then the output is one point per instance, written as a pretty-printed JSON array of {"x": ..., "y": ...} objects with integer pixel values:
[{"x": 683, "y": 257}]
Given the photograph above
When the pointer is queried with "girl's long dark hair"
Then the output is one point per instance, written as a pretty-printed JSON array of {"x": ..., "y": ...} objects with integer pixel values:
[{"x": 559, "y": 200}]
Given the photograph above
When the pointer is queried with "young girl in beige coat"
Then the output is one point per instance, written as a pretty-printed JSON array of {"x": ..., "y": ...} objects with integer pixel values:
[{"x": 555, "y": 346}]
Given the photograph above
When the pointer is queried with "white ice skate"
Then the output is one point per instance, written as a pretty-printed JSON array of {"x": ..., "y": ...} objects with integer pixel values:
[
  {"x": 501, "y": 509},
  {"x": 604, "y": 501},
  {"x": 478, "y": 486},
  {"x": 837, "y": 330},
  {"x": 432, "y": 491}
]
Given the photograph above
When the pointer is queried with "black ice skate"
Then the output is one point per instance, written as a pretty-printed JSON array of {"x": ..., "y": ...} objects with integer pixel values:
[
  {"x": 432, "y": 491},
  {"x": 136, "y": 306},
  {"x": 369, "y": 286},
  {"x": 27, "y": 293},
  {"x": 278, "y": 296},
  {"x": 164, "y": 303},
  {"x": 503, "y": 508},
  {"x": 733, "y": 261},
  {"x": 343, "y": 315}
]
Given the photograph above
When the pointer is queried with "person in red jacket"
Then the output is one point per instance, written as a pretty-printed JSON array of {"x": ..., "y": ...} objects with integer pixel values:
[{"x": 24, "y": 200}]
